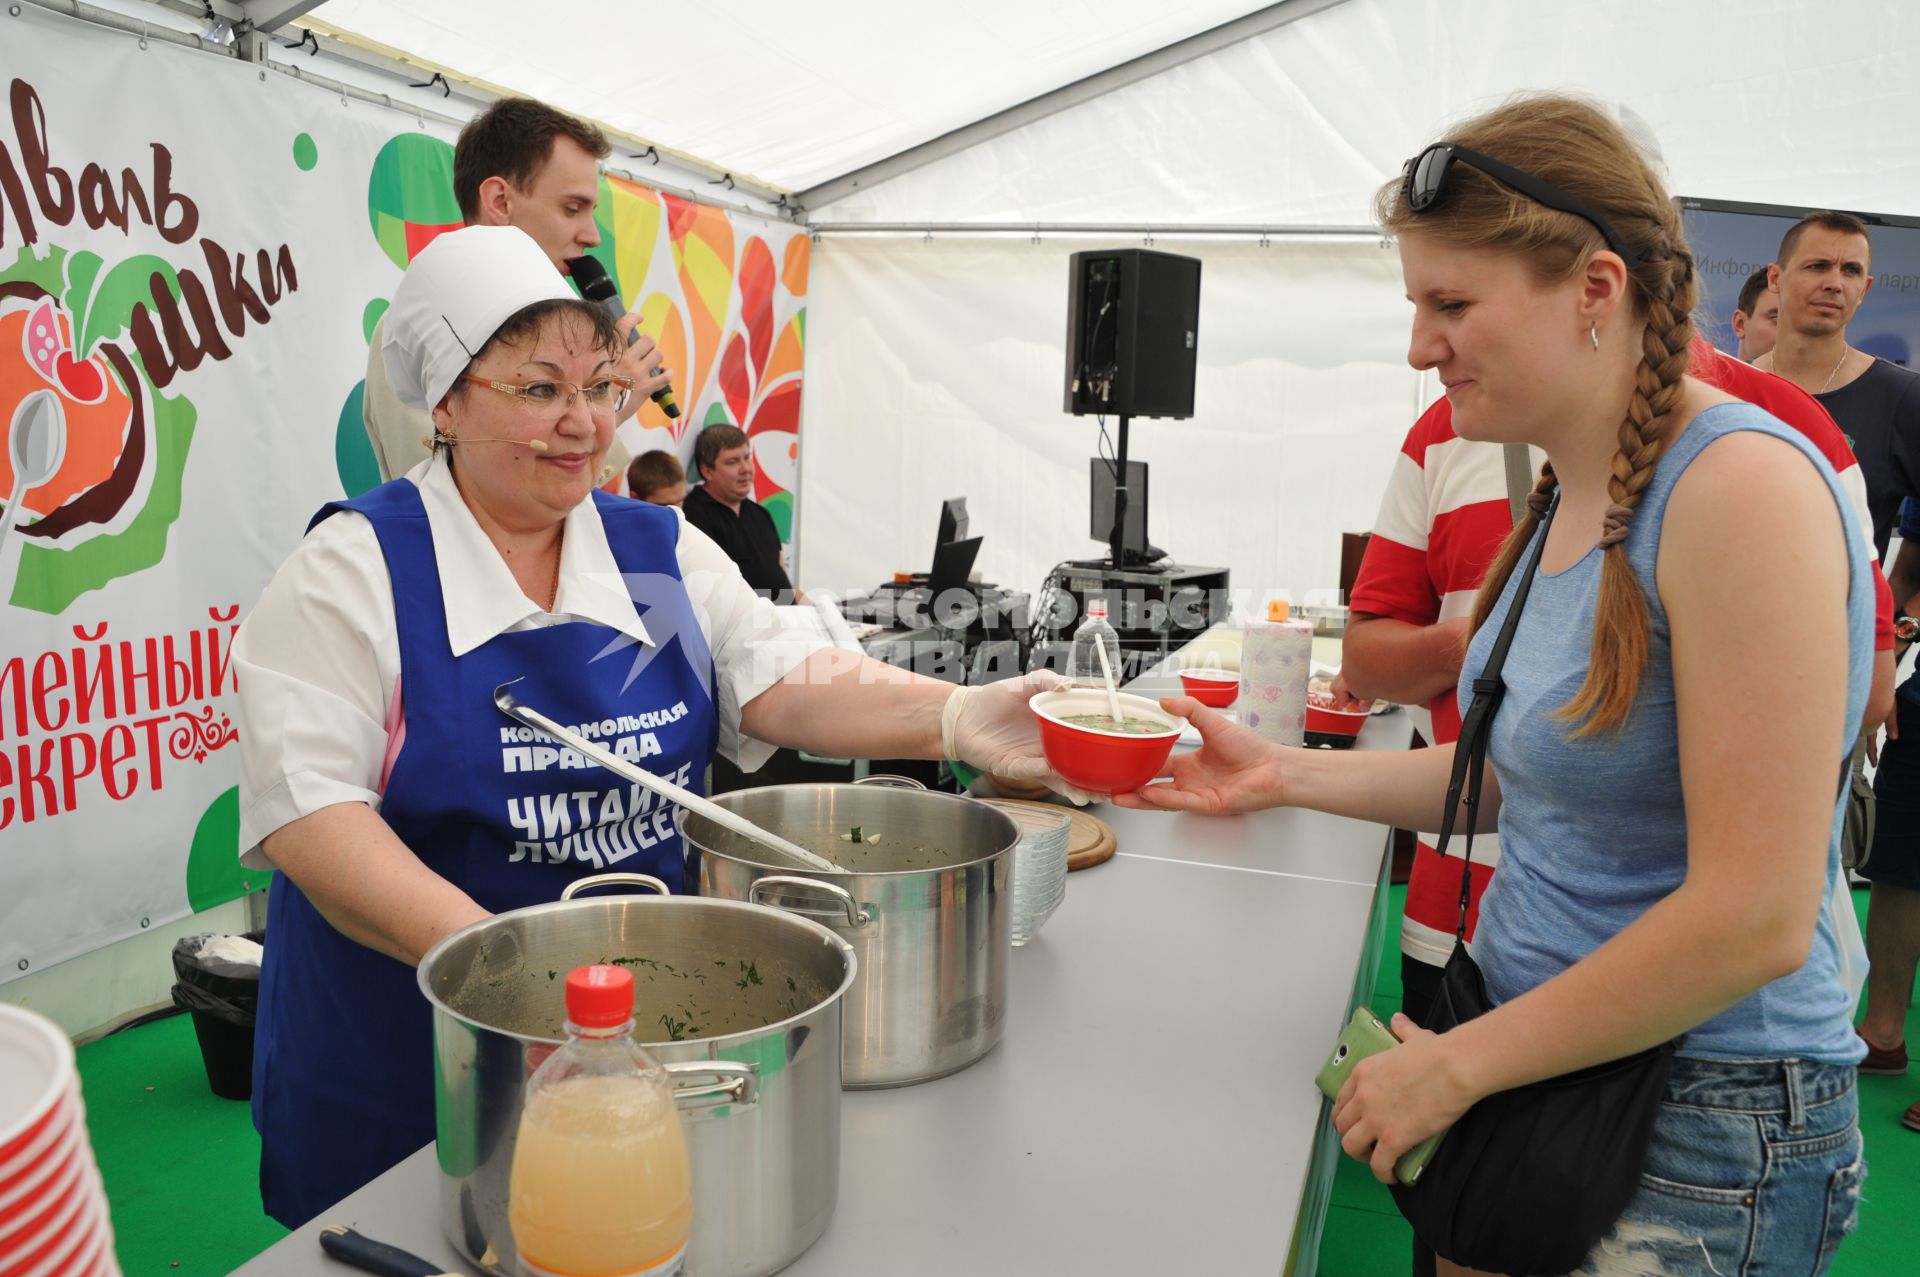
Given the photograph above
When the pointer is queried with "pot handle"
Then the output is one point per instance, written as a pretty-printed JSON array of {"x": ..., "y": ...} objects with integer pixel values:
[
  {"x": 885, "y": 781},
  {"x": 579, "y": 885},
  {"x": 728, "y": 1082},
  {"x": 856, "y": 915}
]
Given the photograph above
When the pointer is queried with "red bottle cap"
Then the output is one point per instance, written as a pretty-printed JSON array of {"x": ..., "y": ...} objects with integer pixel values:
[{"x": 599, "y": 996}]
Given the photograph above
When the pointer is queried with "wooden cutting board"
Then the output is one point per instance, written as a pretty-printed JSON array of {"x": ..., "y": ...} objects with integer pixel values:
[{"x": 1091, "y": 841}]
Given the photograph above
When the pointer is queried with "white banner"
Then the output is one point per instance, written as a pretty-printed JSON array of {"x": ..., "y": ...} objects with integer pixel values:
[{"x": 192, "y": 253}]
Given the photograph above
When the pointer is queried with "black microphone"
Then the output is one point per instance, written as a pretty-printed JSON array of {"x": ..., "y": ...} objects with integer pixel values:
[{"x": 597, "y": 286}]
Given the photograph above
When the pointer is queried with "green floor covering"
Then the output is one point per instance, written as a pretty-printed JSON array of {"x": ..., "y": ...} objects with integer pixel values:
[{"x": 180, "y": 1165}]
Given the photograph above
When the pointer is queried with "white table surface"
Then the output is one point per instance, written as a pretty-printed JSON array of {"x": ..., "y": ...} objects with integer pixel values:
[{"x": 1150, "y": 1109}]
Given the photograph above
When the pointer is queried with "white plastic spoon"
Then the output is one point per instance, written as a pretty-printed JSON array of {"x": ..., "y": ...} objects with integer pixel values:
[{"x": 1113, "y": 693}]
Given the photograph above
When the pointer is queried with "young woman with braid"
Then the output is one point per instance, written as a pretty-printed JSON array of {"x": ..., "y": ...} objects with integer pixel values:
[{"x": 1682, "y": 695}]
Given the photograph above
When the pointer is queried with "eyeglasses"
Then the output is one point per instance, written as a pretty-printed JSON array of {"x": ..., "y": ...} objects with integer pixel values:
[
  {"x": 1426, "y": 182},
  {"x": 552, "y": 400}
]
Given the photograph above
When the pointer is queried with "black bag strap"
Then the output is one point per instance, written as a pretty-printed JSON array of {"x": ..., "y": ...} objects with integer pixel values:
[{"x": 1476, "y": 726}]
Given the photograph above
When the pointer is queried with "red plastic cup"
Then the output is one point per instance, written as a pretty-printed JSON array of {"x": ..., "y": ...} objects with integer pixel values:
[
  {"x": 1337, "y": 722},
  {"x": 57, "y": 1245},
  {"x": 1215, "y": 689},
  {"x": 55, "y": 1198},
  {"x": 36, "y": 1073},
  {"x": 22, "y": 1203},
  {"x": 1102, "y": 762},
  {"x": 46, "y": 1138}
]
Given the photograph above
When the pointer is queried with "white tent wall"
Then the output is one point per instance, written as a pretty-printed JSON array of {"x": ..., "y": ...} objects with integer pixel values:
[
  {"x": 937, "y": 370},
  {"x": 1773, "y": 101}
]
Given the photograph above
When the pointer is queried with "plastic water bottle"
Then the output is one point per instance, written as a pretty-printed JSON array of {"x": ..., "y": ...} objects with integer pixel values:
[
  {"x": 600, "y": 1185},
  {"x": 1084, "y": 665}
]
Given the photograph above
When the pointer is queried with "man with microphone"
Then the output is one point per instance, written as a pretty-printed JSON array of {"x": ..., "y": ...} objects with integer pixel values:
[{"x": 520, "y": 163}]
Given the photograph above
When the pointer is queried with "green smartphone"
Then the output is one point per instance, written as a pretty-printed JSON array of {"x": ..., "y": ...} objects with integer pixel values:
[{"x": 1365, "y": 1035}]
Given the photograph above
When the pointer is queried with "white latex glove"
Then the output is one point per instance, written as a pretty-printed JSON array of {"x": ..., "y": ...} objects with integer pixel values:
[{"x": 990, "y": 728}]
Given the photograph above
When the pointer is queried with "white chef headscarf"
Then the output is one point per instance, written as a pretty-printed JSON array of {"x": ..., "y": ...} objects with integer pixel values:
[{"x": 455, "y": 296}]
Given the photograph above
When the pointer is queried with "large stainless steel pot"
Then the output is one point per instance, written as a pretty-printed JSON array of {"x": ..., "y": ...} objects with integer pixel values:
[
  {"x": 745, "y": 1007},
  {"x": 932, "y": 883}
]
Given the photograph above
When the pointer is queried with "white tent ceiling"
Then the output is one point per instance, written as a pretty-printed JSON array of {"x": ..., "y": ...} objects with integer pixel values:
[
  {"x": 785, "y": 94},
  {"x": 1769, "y": 100},
  {"x": 1772, "y": 101}
]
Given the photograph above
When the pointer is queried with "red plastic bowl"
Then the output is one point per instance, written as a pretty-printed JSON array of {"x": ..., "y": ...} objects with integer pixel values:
[
  {"x": 1096, "y": 761},
  {"x": 1337, "y": 722},
  {"x": 1215, "y": 688}
]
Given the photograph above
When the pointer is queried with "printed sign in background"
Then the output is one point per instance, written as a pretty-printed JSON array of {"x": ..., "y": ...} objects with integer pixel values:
[{"x": 191, "y": 258}]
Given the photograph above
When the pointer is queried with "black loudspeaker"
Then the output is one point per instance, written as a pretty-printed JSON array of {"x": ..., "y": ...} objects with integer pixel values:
[{"x": 1133, "y": 319}]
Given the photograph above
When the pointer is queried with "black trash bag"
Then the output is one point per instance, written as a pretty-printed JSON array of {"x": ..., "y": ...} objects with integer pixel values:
[{"x": 223, "y": 997}]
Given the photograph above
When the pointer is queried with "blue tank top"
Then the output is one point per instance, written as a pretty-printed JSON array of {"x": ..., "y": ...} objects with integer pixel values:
[{"x": 1593, "y": 830}]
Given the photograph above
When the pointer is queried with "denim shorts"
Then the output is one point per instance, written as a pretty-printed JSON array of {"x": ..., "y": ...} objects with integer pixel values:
[{"x": 1754, "y": 1171}]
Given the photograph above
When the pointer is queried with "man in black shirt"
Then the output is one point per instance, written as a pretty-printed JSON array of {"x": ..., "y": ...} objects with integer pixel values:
[
  {"x": 1822, "y": 277},
  {"x": 723, "y": 508}
]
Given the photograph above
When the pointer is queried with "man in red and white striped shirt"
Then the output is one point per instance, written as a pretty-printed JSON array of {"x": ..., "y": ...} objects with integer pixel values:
[{"x": 1441, "y": 523}]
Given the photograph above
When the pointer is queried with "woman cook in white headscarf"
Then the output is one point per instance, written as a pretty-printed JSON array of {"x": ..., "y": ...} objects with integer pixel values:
[{"x": 380, "y": 780}]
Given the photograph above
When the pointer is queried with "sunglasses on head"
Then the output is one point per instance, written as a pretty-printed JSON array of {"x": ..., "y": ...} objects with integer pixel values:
[{"x": 1426, "y": 183}]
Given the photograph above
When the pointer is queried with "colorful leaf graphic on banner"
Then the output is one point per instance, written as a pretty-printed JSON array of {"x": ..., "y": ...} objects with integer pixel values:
[
  {"x": 780, "y": 506},
  {"x": 773, "y": 423},
  {"x": 633, "y": 217},
  {"x": 702, "y": 241},
  {"x": 776, "y": 443},
  {"x": 410, "y": 195},
  {"x": 779, "y": 410},
  {"x": 756, "y": 302},
  {"x": 661, "y": 318},
  {"x": 109, "y": 307},
  {"x": 793, "y": 267},
  {"x": 735, "y": 388},
  {"x": 788, "y": 352}
]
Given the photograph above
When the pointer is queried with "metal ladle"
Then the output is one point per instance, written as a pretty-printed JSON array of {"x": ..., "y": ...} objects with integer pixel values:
[{"x": 512, "y": 708}]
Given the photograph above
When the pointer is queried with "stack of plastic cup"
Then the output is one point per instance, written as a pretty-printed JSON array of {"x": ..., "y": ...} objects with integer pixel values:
[
  {"x": 53, "y": 1210},
  {"x": 1039, "y": 863}
]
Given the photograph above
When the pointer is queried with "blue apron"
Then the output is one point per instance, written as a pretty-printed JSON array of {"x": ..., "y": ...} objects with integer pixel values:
[{"x": 342, "y": 1073}]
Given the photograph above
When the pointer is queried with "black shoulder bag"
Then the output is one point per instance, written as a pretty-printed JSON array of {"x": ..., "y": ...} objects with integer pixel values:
[{"x": 1530, "y": 1179}]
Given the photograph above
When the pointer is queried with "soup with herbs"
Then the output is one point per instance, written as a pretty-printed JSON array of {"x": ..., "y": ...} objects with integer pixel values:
[{"x": 1126, "y": 725}]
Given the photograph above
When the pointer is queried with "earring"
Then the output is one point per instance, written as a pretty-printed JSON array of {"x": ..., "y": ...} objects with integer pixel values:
[{"x": 1593, "y": 331}]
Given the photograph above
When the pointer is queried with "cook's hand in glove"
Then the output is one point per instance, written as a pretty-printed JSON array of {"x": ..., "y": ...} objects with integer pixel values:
[{"x": 991, "y": 728}]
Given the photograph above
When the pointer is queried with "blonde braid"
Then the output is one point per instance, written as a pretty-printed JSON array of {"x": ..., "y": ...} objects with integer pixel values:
[{"x": 1622, "y": 624}]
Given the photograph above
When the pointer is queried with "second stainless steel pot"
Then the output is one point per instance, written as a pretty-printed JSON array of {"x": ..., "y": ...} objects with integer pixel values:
[{"x": 931, "y": 883}]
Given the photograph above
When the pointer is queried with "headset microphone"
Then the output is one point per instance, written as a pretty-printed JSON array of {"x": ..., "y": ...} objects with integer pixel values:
[{"x": 532, "y": 445}]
